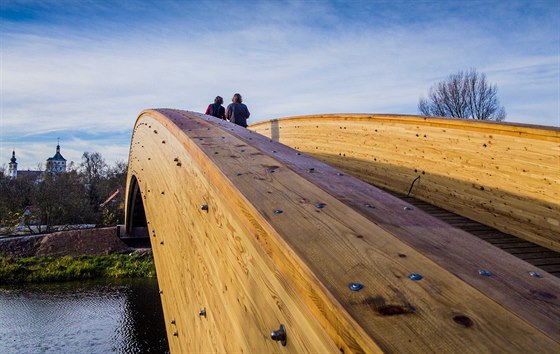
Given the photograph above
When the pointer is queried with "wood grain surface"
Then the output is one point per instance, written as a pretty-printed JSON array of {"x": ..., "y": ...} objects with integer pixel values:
[
  {"x": 253, "y": 267},
  {"x": 503, "y": 175}
]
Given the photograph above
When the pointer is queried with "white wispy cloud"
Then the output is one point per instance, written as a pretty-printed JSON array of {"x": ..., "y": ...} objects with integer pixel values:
[{"x": 96, "y": 80}]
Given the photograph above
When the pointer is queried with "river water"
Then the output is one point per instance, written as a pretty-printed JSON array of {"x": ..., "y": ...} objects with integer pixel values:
[{"x": 101, "y": 316}]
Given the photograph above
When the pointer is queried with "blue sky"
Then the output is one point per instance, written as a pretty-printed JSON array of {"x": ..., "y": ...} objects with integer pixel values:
[{"x": 83, "y": 70}]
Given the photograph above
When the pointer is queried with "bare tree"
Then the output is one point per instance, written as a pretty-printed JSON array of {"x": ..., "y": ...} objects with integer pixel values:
[
  {"x": 93, "y": 166},
  {"x": 463, "y": 95},
  {"x": 60, "y": 200}
]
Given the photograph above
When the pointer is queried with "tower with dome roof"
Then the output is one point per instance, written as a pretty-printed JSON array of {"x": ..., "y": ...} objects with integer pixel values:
[{"x": 57, "y": 163}]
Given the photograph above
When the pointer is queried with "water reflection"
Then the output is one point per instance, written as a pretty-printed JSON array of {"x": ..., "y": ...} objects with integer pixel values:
[{"x": 122, "y": 316}]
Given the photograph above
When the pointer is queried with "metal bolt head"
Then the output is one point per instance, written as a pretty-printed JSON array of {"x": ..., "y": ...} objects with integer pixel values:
[
  {"x": 535, "y": 274},
  {"x": 202, "y": 312},
  {"x": 369, "y": 206},
  {"x": 484, "y": 272},
  {"x": 175, "y": 334},
  {"x": 415, "y": 276},
  {"x": 278, "y": 211},
  {"x": 320, "y": 205},
  {"x": 172, "y": 321},
  {"x": 355, "y": 286},
  {"x": 204, "y": 207},
  {"x": 279, "y": 335},
  {"x": 408, "y": 208}
]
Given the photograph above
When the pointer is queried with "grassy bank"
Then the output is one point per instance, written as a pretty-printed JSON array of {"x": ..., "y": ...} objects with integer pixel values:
[{"x": 49, "y": 269}]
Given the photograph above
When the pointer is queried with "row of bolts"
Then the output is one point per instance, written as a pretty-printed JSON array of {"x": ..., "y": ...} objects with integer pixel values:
[
  {"x": 280, "y": 334},
  {"x": 412, "y": 276}
]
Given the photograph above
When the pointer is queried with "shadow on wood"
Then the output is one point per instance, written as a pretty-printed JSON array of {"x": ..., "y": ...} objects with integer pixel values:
[
  {"x": 503, "y": 175},
  {"x": 249, "y": 235}
]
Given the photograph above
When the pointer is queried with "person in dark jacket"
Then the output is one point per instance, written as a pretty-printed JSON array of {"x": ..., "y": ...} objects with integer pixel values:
[
  {"x": 237, "y": 112},
  {"x": 216, "y": 109}
]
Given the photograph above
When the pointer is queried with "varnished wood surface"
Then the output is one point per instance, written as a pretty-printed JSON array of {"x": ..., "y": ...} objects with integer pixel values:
[
  {"x": 205, "y": 259},
  {"x": 506, "y": 176},
  {"x": 447, "y": 246},
  {"x": 534, "y": 254},
  {"x": 253, "y": 268}
]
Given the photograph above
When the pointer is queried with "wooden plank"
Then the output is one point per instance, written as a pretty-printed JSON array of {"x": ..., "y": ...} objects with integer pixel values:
[
  {"x": 528, "y": 256},
  {"x": 527, "y": 250},
  {"x": 454, "y": 160},
  {"x": 502, "y": 241},
  {"x": 520, "y": 246},
  {"x": 546, "y": 261},
  {"x": 493, "y": 235},
  {"x": 551, "y": 268}
]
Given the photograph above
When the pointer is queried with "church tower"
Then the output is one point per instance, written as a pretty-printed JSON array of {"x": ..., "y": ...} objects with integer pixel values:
[
  {"x": 57, "y": 163},
  {"x": 12, "y": 166}
]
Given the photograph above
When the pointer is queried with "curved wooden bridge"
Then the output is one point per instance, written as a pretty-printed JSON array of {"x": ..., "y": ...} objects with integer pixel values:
[{"x": 251, "y": 236}]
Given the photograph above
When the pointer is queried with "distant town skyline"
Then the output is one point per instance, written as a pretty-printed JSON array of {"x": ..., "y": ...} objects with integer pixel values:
[
  {"x": 84, "y": 70},
  {"x": 46, "y": 164}
]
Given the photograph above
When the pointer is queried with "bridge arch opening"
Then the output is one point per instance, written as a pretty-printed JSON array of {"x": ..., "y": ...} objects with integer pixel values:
[{"x": 136, "y": 222}]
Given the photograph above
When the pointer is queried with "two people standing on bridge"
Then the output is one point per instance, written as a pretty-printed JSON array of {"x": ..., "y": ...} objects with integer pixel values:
[{"x": 236, "y": 111}]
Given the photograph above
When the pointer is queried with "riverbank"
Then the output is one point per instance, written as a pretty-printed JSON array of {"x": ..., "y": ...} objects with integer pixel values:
[
  {"x": 51, "y": 269},
  {"x": 91, "y": 242},
  {"x": 71, "y": 255}
]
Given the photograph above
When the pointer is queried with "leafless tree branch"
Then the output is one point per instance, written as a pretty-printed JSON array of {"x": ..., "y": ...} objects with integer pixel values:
[{"x": 465, "y": 94}]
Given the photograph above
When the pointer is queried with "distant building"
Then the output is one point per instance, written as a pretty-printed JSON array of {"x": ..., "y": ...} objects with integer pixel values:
[
  {"x": 35, "y": 175},
  {"x": 55, "y": 164},
  {"x": 12, "y": 166}
]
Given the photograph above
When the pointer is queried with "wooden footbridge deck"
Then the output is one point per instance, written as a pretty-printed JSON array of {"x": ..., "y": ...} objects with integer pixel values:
[
  {"x": 544, "y": 258},
  {"x": 252, "y": 237}
]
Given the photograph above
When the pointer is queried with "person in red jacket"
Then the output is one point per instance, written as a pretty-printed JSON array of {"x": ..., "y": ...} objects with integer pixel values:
[{"x": 216, "y": 109}]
